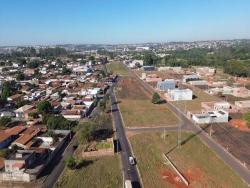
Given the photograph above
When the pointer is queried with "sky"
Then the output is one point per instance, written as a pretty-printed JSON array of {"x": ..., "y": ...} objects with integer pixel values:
[{"x": 45, "y": 22}]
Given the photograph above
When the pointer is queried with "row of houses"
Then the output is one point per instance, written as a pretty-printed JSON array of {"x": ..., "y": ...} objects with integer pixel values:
[{"x": 32, "y": 149}]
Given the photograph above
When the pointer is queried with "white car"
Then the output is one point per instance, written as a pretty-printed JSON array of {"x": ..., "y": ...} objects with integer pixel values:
[{"x": 131, "y": 160}]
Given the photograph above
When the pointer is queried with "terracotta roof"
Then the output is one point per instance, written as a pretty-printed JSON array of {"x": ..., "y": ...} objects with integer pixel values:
[
  {"x": 15, "y": 130},
  {"x": 27, "y": 135},
  {"x": 4, "y": 136},
  {"x": 9, "y": 132},
  {"x": 71, "y": 112},
  {"x": 14, "y": 97}
]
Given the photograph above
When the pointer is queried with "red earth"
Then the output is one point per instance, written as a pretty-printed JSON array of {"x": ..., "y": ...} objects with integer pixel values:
[
  {"x": 239, "y": 124},
  {"x": 194, "y": 174}
]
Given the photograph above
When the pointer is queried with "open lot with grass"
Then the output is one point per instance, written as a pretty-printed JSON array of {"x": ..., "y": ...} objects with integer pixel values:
[
  {"x": 197, "y": 162},
  {"x": 95, "y": 173},
  {"x": 117, "y": 68},
  {"x": 195, "y": 104},
  {"x": 137, "y": 109}
]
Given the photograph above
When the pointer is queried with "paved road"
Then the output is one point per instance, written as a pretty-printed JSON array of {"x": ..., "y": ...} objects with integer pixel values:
[
  {"x": 234, "y": 163},
  {"x": 56, "y": 166},
  {"x": 130, "y": 172}
]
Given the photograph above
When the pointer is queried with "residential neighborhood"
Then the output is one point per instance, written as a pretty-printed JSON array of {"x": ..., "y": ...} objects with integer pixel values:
[{"x": 124, "y": 94}]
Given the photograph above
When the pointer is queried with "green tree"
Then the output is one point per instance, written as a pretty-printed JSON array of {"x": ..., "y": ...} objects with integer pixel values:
[
  {"x": 156, "y": 98},
  {"x": 148, "y": 59},
  {"x": 4, "y": 121},
  {"x": 20, "y": 76},
  {"x": 34, "y": 115},
  {"x": 66, "y": 71},
  {"x": 71, "y": 162},
  {"x": 44, "y": 107},
  {"x": 6, "y": 90},
  {"x": 33, "y": 64}
]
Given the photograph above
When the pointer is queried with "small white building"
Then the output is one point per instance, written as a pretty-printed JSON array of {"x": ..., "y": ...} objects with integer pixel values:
[
  {"x": 219, "y": 116},
  {"x": 135, "y": 63},
  {"x": 181, "y": 94}
]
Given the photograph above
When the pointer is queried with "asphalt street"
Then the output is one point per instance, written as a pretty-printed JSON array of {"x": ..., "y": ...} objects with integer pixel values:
[{"x": 130, "y": 171}]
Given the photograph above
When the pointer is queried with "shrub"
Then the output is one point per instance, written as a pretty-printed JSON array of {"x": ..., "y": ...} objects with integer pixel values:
[
  {"x": 5, "y": 120},
  {"x": 156, "y": 98},
  {"x": 71, "y": 162}
]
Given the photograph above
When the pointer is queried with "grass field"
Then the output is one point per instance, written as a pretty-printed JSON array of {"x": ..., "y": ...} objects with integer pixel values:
[
  {"x": 195, "y": 104},
  {"x": 97, "y": 172},
  {"x": 137, "y": 109},
  {"x": 117, "y": 68},
  {"x": 198, "y": 163}
]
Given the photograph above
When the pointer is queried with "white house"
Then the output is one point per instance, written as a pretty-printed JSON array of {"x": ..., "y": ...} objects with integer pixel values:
[
  {"x": 181, "y": 94},
  {"x": 219, "y": 116},
  {"x": 135, "y": 63}
]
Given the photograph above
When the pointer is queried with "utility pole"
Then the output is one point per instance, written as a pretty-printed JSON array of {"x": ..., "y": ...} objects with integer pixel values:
[
  {"x": 164, "y": 135},
  {"x": 179, "y": 130},
  {"x": 210, "y": 130},
  {"x": 179, "y": 135}
]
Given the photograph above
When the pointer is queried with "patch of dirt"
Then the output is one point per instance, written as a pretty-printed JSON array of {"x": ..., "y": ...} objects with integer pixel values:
[
  {"x": 173, "y": 179},
  {"x": 239, "y": 124},
  {"x": 194, "y": 174}
]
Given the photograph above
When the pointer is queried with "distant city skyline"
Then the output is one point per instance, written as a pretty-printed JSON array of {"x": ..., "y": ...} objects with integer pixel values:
[{"x": 54, "y": 22}]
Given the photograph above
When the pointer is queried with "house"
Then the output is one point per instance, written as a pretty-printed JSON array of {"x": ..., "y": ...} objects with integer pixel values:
[
  {"x": 14, "y": 98},
  {"x": 26, "y": 165},
  {"x": 135, "y": 63},
  {"x": 241, "y": 92},
  {"x": 219, "y": 116},
  {"x": 242, "y": 104},
  {"x": 191, "y": 77},
  {"x": 9, "y": 135},
  {"x": 205, "y": 71},
  {"x": 25, "y": 138},
  {"x": 72, "y": 114},
  {"x": 29, "y": 71},
  {"x": 23, "y": 112},
  {"x": 214, "y": 105},
  {"x": 198, "y": 83},
  {"x": 166, "y": 84},
  {"x": 148, "y": 68},
  {"x": 180, "y": 94}
]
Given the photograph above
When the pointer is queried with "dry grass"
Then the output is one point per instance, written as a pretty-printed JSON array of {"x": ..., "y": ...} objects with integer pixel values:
[
  {"x": 98, "y": 172},
  {"x": 191, "y": 158},
  {"x": 137, "y": 109},
  {"x": 118, "y": 68}
]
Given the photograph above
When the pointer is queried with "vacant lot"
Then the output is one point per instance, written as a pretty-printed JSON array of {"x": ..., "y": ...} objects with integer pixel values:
[
  {"x": 137, "y": 109},
  {"x": 95, "y": 173},
  {"x": 118, "y": 68},
  {"x": 199, "y": 165},
  {"x": 195, "y": 104}
]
